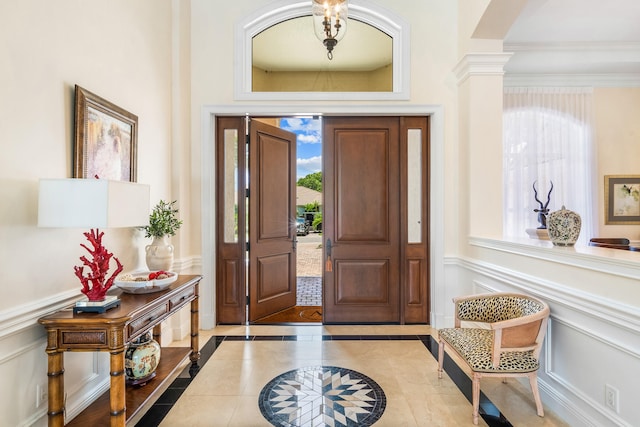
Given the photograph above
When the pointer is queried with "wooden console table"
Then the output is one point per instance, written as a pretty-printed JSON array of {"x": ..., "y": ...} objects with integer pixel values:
[{"x": 111, "y": 331}]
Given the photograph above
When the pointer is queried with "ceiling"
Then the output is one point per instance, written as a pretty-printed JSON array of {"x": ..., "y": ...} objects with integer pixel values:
[
  {"x": 549, "y": 38},
  {"x": 293, "y": 46},
  {"x": 585, "y": 37}
]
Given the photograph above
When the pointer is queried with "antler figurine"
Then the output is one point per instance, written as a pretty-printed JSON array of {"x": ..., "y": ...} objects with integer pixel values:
[{"x": 544, "y": 208}]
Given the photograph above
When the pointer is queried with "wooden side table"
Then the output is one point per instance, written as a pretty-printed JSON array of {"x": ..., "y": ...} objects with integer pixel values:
[{"x": 111, "y": 331}]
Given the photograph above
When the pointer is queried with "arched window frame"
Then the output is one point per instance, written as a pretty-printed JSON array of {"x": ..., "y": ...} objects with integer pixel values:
[{"x": 283, "y": 10}]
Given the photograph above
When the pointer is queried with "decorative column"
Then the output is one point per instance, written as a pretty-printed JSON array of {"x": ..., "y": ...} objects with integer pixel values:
[{"x": 480, "y": 83}]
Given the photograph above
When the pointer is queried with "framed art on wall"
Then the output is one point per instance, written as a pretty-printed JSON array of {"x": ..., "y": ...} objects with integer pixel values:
[
  {"x": 622, "y": 199},
  {"x": 106, "y": 138}
]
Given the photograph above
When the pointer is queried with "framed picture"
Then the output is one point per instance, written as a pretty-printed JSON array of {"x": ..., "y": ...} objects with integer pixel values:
[
  {"x": 106, "y": 138},
  {"x": 622, "y": 199}
]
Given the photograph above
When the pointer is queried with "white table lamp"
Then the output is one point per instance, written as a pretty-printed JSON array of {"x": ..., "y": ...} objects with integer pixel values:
[{"x": 95, "y": 204}]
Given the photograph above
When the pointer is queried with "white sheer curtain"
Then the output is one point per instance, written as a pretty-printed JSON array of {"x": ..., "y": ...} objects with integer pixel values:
[{"x": 548, "y": 137}]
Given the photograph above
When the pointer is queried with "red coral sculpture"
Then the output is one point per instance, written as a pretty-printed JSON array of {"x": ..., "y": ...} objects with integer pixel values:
[{"x": 94, "y": 285}]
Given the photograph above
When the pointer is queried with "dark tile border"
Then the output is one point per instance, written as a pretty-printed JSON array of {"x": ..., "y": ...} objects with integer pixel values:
[{"x": 488, "y": 411}]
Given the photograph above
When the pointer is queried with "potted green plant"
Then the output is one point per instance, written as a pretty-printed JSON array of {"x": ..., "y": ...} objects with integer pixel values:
[{"x": 163, "y": 223}]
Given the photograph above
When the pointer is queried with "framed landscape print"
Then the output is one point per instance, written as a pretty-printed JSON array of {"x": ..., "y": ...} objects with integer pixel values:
[
  {"x": 622, "y": 199},
  {"x": 106, "y": 139}
]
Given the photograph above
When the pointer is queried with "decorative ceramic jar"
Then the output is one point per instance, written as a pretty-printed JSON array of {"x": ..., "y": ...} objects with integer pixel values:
[
  {"x": 159, "y": 254},
  {"x": 564, "y": 227},
  {"x": 141, "y": 359}
]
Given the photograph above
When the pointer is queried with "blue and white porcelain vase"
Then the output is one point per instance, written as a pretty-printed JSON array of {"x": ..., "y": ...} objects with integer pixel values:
[
  {"x": 564, "y": 227},
  {"x": 141, "y": 359}
]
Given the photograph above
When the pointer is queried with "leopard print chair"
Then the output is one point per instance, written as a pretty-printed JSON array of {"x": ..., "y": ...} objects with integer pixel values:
[{"x": 506, "y": 345}]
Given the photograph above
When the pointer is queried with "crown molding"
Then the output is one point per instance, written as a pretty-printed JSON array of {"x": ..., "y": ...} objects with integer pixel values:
[
  {"x": 572, "y": 79},
  {"x": 573, "y": 46},
  {"x": 481, "y": 64},
  {"x": 600, "y": 64}
]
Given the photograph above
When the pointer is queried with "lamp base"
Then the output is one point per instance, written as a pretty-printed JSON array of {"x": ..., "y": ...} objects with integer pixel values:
[{"x": 110, "y": 301}]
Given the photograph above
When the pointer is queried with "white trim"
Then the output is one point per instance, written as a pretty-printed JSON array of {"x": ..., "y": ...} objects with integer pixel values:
[
  {"x": 481, "y": 64},
  {"x": 17, "y": 319},
  {"x": 603, "y": 260},
  {"x": 596, "y": 406},
  {"x": 436, "y": 192},
  {"x": 572, "y": 80},
  {"x": 363, "y": 10},
  {"x": 18, "y": 352},
  {"x": 207, "y": 299},
  {"x": 556, "y": 64}
]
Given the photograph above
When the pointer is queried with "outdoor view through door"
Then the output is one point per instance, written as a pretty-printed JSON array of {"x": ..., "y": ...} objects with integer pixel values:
[{"x": 362, "y": 245}]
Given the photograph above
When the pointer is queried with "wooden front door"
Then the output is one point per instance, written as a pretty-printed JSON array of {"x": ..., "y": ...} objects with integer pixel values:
[
  {"x": 376, "y": 217},
  {"x": 361, "y": 220},
  {"x": 375, "y": 220},
  {"x": 272, "y": 226}
]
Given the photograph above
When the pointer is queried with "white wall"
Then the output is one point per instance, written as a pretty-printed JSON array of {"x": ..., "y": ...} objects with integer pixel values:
[{"x": 121, "y": 51}]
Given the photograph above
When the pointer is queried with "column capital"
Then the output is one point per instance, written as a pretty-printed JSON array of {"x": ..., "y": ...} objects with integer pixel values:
[{"x": 481, "y": 64}]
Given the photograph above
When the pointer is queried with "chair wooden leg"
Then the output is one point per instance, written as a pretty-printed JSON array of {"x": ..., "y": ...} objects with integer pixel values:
[
  {"x": 533, "y": 380},
  {"x": 440, "y": 358},
  {"x": 475, "y": 397}
]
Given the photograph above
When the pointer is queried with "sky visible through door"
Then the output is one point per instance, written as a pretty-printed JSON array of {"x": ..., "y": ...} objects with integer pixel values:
[
  {"x": 309, "y": 143},
  {"x": 308, "y": 133}
]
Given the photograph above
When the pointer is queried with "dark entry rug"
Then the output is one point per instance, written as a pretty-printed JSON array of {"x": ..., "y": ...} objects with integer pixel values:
[{"x": 297, "y": 314}]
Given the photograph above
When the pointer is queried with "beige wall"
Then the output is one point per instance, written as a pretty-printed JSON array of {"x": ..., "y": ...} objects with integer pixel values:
[
  {"x": 54, "y": 46},
  {"x": 121, "y": 51},
  {"x": 617, "y": 140},
  {"x": 379, "y": 80}
]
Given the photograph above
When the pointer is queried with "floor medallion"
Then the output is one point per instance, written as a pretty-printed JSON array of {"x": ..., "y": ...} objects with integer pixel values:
[{"x": 322, "y": 396}]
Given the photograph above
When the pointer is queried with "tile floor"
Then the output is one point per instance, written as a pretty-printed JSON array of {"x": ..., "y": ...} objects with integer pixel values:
[{"x": 239, "y": 361}]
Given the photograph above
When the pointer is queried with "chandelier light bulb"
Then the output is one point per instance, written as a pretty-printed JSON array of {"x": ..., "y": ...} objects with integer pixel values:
[{"x": 329, "y": 22}]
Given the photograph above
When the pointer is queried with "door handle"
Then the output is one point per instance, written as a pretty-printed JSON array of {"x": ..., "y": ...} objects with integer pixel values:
[{"x": 328, "y": 264}]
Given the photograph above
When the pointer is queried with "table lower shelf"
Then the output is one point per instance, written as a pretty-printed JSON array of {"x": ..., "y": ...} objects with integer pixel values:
[{"x": 138, "y": 399}]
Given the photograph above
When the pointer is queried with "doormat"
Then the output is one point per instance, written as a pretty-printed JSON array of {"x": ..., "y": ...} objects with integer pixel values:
[{"x": 296, "y": 314}]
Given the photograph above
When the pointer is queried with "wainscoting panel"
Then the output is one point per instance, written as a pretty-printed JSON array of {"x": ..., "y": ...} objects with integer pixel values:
[
  {"x": 23, "y": 362},
  {"x": 591, "y": 341}
]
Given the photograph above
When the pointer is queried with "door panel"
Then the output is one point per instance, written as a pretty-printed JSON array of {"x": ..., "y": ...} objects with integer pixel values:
[
  {"x": 231, "y": 288},
  {"x": 414, "y": 219},
  {"x": 361, "y": 209},
  {"x": 272, "y": 258}
]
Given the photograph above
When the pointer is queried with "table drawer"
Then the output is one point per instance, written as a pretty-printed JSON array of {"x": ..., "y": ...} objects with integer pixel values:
[
  {"x": 181, "y": 298},
  {"x": 143, "y": 322}
]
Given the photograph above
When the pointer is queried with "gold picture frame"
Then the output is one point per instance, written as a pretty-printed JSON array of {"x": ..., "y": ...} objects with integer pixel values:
[
  {"x": 106, "y": 139},
  {"x": 622, "y": 199}
]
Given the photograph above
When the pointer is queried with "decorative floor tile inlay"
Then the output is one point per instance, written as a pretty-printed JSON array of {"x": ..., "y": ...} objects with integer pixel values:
[{"x": 322, "y": 396}]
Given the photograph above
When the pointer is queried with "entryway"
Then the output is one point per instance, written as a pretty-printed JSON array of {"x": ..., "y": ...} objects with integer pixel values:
[{"x": 375, "y": 237}]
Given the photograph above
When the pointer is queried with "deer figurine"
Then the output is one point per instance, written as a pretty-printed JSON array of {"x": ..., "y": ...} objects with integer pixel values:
[{"x": 544, "y": 208}]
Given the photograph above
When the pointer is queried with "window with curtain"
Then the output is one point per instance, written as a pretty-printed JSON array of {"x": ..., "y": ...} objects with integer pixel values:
[{"x": 548, "y": 137}]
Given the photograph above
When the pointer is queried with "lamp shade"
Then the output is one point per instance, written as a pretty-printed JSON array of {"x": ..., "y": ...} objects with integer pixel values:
[{"x": 92, "y": 203}]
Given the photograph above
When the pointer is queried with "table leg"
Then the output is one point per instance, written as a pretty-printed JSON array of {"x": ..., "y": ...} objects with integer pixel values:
[
  {"x": 117, "y": 403},
  {"x": 157, "y": 334},
  {"x": 195, "y": 337},
  {"x": 55, "y": 386}
]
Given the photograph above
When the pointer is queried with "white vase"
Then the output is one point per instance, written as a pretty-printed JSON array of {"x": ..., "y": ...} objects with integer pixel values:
[
  {"x": 159, "y": 254},
  {"x": 564, "y": 227}
]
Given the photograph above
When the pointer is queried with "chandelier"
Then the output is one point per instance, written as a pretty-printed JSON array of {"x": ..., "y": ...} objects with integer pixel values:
[{"x": 329, "y": 22}]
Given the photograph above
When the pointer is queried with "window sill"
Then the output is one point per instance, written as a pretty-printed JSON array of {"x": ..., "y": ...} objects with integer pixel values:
[{"x": 616, "y": 262}]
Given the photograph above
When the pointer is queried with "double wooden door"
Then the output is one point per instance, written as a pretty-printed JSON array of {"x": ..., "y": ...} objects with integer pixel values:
[{"x": 375, "y": 216}]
